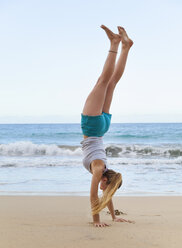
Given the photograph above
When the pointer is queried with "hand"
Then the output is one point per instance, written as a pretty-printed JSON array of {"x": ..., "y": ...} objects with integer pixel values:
[
  {"x": 100, "y": 224},
  {"x": 123, "y": 220}
]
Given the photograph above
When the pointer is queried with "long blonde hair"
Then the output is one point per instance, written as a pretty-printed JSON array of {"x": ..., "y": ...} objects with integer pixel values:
[{"x": 114, "y": 181}]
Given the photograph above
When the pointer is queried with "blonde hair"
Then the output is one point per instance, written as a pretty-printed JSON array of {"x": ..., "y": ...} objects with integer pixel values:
[{"x": 114, "y": 181}]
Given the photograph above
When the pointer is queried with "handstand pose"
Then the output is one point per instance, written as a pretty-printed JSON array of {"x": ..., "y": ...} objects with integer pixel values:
[{"x": 95, "y": 122}]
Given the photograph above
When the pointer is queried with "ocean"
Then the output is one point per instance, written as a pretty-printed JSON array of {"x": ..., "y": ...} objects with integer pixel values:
[{"x": 46, "y": 159}]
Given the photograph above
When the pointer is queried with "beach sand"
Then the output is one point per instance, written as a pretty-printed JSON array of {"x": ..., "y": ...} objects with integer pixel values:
[{"x": 57, "y": 221}]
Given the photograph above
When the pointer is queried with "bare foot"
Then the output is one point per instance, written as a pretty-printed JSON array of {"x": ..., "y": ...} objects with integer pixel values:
[
  {"x": 115, "y": 38},
  {"x": 126, "y": 41}
]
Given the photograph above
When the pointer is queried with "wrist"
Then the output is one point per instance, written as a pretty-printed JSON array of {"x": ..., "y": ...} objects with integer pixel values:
[
  {"x": 113, "y": 218},
  {"x": 96, "y": 218}
]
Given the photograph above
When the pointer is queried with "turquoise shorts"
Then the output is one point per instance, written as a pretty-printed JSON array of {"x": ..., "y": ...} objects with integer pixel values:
[{"x": 96, "y": 125}]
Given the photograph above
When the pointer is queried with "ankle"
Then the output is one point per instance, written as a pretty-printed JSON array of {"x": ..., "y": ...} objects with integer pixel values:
[
  {"x": 125, "y": 47},
  {"x": 114, "y": 46}
]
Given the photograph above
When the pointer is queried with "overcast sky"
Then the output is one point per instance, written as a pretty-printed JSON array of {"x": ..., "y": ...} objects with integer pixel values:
[{"x": 52, "y": 52}]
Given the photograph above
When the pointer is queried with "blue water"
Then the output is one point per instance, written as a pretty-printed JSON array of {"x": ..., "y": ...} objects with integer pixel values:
[
  {"x": 62, "y": 134},
  {"x": 47, "y": 159}
]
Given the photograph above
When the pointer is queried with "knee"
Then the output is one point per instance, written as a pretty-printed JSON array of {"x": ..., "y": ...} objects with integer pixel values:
[
  {"x": 112, "y": 84},
  {"x": 103, "y": 80}
]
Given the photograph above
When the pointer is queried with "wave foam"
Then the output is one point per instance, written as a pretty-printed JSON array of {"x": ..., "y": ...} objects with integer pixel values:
[
  {"x": 143, "y": 150},
  {"x": 27, "y": 148}
]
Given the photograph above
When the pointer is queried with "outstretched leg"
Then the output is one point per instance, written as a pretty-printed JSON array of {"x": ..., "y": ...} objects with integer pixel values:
[
  {"x": 95, "y": 101},
  {"x": 119, "y": 69}
]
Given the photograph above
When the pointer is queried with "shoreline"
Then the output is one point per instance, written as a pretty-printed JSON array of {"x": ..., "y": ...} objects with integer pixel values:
[
  {"x": 87, "y": 194},
  {"x": 72, "y": 194},
  {"x": 63, "y": 221}
]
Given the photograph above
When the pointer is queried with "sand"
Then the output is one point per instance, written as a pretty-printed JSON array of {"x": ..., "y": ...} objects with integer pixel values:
[{"x": 57, "y": 221}]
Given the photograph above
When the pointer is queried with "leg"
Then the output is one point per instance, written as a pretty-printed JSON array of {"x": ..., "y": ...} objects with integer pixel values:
[
  {"x": 119, "y": 69},
  {"x": 95, "y": 100}
]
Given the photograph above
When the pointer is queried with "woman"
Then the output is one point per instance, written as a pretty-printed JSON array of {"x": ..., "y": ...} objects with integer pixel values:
[{"x": 95, "y": 121}]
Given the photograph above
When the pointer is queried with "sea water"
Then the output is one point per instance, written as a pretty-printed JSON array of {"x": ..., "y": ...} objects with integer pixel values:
[{"x": 46, "y": 159}]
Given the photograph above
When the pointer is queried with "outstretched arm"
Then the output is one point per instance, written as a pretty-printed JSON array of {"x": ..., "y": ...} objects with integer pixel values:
[
  {"x": 94, "y": 195},
  {"x": 111, "y": 209},
  {"x": 97, "y": 171}
]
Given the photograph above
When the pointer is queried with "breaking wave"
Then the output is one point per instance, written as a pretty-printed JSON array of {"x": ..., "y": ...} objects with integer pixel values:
[{"x": 27, "y": 148}]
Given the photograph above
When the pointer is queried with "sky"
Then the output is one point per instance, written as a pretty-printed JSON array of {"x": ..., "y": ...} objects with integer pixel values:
[{"x": 52, "y": 53}]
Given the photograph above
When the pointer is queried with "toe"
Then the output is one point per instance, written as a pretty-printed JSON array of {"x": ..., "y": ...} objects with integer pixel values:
[
  {"x": 106, "y": 29},
  {"x": 121, "y": 28},
  {"x": 102, "y": 26}
]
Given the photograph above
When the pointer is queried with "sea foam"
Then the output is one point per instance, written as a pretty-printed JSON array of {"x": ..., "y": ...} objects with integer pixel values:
[{"x": 27, "y": 148}]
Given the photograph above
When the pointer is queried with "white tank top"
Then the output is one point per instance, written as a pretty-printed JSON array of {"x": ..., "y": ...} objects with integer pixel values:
[{"x": 93, "y": 148}]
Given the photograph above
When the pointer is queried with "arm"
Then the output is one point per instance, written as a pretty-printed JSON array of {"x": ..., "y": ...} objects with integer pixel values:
[
  {"x": 94, "y": 195},
  {"x": 97, "y": 174},
  {"x": 111, "y": 209}
]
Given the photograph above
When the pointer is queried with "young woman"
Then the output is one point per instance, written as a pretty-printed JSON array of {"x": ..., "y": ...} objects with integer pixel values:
[{"x": 95, "y": 122}]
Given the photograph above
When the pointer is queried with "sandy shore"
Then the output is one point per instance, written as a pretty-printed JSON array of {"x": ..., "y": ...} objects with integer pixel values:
[{"x": 56, "y": 221}]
